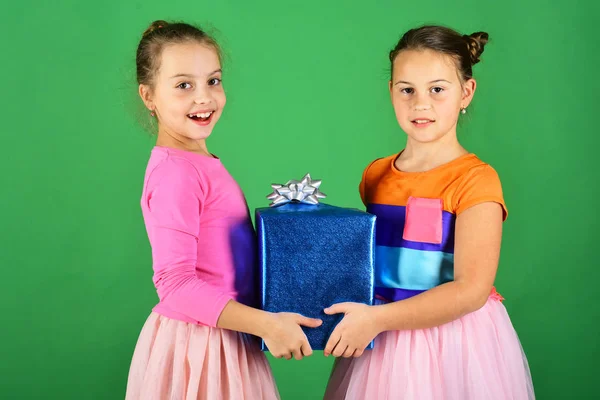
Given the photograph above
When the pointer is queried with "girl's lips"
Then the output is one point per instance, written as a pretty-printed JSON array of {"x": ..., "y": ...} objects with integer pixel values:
[
  {"x": 422, "y": 123},
  {"x": 202, "y": 118}
]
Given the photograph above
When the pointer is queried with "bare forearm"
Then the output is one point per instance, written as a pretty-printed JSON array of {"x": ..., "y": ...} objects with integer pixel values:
[
  {"x": 477, "y": 250},
  {"x": 434, "y": 307},
  {"x": 239, "y": 317}
]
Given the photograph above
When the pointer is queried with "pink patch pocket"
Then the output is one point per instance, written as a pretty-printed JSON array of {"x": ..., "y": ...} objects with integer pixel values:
[{"x": 423, "y": 222}]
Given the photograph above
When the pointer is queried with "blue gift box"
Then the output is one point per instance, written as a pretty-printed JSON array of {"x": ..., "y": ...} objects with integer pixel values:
[{"x": 312, "y": 256}]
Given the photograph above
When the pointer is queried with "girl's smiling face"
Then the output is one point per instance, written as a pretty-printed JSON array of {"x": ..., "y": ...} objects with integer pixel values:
[
  {"x": 427, "y": 94},
  {"x": 187, "y": 94}
]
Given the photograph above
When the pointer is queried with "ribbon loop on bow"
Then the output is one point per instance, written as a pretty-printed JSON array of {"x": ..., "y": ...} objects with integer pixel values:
[{"x": 304, "y": 191}]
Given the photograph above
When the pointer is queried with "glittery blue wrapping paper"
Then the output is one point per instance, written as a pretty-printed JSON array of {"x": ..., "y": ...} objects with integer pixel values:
[{"x": 314, "y": 256}]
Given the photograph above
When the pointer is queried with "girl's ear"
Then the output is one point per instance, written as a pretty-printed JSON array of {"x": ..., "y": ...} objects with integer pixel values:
[
  {"x": 146, "y": 96},
  {"x": 468, "y": 92}
]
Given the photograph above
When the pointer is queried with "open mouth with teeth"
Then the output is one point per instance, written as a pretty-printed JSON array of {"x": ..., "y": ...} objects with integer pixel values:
[
  {"x": 205, "y": 116},
  {"x": 422, "y": 122}
]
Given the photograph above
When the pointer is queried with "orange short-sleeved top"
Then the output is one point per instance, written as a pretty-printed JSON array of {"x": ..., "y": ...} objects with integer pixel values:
[{"x": 416, "y": 214}]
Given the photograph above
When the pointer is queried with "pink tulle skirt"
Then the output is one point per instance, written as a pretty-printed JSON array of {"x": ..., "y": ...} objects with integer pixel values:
[
  {"x": 477, "y": 357},
  {"x": 175, "y": 360}
]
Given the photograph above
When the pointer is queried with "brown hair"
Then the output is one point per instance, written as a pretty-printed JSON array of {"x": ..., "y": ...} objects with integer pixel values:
[
  {"x": 160, "y": 34},
  {"x": 466, "y": 50}
]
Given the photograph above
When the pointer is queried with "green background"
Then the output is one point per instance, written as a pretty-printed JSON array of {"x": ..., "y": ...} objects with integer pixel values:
[{"x": 307, "y": 92}]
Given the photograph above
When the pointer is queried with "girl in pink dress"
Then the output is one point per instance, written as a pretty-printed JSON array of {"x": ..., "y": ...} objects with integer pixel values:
[{"x": 194, "y": 343}]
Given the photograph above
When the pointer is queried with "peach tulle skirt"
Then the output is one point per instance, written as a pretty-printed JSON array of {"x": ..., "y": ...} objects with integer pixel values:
[
  {"x": 175, "y": 360},
  {"x": 476, "y": 357}
]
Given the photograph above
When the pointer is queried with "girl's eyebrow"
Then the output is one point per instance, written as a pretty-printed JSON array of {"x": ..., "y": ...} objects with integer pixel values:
[
  {"x": 194, "y": 76},
  {"x": 435, "y": 81}
]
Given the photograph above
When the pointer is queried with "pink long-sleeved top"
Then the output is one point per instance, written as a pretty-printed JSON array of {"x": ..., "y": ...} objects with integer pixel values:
[{"x": 201, "y": 234}]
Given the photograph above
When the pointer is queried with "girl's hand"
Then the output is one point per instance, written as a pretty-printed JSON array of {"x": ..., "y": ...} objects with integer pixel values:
[
  {"x": 285, "y": 338},
  {"x": 354, "y": 332}
]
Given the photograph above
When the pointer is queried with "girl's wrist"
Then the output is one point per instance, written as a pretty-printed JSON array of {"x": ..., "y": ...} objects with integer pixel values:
[
  {"x": 380, "y": 318},
  {"x": 264, "y": 324}
]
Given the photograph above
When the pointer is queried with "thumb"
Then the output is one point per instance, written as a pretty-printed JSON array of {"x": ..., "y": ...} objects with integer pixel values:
[
  {"x": 309, "y": 322},
  {"x": 337, "y": 308}
]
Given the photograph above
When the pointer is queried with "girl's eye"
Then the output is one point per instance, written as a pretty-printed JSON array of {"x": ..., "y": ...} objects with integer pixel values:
[
  {"x": 437, "y": 89},
  {"x": 184, "y": 85},
  {"x": 214, "y": 81},
  {"x": 407, "y": 90}
]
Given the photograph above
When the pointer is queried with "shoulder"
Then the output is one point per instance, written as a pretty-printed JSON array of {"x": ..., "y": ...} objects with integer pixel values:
[
  {"x": 172, "y": 171},
  {"x": 379, "y": 166},
  {"x": 473, "y": 168},
  {"x": 479, "y": 182}
]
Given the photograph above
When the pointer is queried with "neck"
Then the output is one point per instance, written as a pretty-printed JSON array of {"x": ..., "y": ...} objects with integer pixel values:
[
  {"x": 174, "y": 140},
  {"x": 419, "y": 157}
]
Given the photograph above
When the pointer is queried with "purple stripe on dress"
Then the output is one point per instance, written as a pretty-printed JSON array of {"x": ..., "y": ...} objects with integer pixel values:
[
  {"x": 390, "y": 227},
  {"x": 391, "y": 294}
]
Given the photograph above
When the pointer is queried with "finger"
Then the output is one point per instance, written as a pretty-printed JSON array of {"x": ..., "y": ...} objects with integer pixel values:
[
  {"x": 339, "y": 350},
  {"x": 337, "y": 308},
  {"x": 287, "y": 356},
  {"x": 358, "y": 353},
  {"x": 332, "y": 342},
  {"x": 297, "y": 353},
  {"x": 308, "y": 322},
  {"x": 306, "y": 349},
  {"x": 349, "y": 351}
]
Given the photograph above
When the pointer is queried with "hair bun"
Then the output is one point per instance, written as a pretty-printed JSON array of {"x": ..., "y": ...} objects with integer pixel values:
[
  {"x": 155, "y": 26},
  {"x": 476, "y": 43}
]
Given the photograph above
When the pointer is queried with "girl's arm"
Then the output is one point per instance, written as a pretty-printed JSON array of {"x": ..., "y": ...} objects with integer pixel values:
[
  {"x": 281, "y": 331},
  {"x": 175, "y": 200},
  {"x": 477, "y": 248}
]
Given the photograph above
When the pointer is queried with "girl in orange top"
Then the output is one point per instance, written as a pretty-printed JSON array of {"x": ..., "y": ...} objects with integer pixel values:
[{"x": 442, "y": 331}]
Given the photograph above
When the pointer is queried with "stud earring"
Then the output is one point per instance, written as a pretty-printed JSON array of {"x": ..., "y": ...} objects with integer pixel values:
[
  {"x": 152, "y": 113},
  {"x": 463, "y": 110}
]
